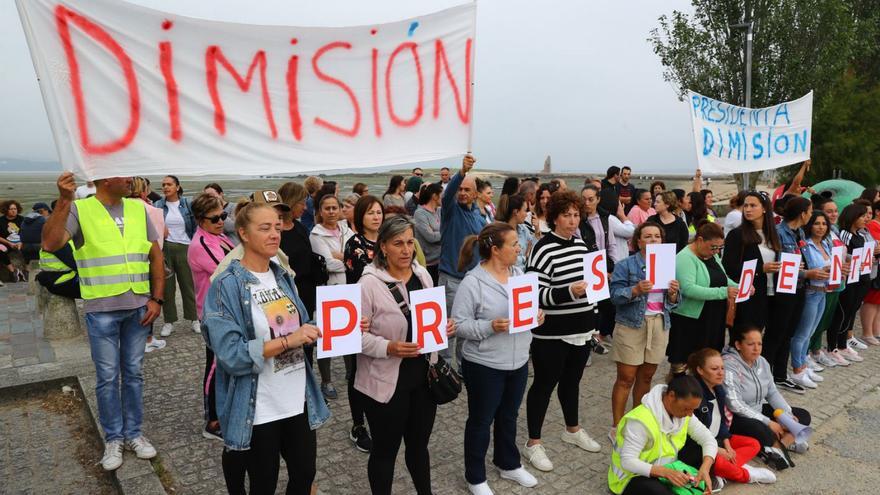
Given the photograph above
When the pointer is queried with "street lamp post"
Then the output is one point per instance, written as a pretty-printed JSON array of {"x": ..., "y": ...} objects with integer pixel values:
[{"x": 748, "y": 26}]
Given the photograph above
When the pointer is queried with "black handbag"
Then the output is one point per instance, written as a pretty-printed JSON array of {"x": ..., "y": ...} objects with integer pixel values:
[
  {"x": 444, "y": 384},
  {"x": 320, "y": 274}
]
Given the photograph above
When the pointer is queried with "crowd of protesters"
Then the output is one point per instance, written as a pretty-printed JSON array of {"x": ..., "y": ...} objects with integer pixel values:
[{"x": 247, "y": 272}]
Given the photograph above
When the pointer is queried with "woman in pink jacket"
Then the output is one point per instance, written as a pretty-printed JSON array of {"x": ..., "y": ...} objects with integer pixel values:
[
  {"x": 208, "y": 247},
  {"x": 390, "y": 371}
]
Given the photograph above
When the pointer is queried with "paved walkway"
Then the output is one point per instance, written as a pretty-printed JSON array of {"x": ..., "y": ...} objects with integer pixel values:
[{"x": 173, "y": 420}]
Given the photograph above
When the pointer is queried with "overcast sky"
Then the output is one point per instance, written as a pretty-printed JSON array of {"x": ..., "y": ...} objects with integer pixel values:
[{"x": 573, "y": 79}]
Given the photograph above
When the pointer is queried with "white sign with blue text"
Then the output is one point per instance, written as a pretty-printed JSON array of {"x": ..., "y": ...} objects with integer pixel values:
[{"x": 732, "y": 139}]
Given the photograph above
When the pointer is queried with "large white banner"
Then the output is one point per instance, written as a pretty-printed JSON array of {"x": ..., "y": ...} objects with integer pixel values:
[
  {"x": 133, "y": 91},
  {"x": 732, "y": 139}
]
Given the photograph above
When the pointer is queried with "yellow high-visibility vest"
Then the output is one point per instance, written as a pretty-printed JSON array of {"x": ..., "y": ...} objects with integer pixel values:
[
  {"x": 50, "y": 263},
  {"x": 110, "y": 263},
  {"x": 661, "y": 446}
]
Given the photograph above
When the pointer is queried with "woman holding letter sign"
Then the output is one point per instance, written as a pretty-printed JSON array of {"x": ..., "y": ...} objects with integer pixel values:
[
  {"x": 755, "y": 238},
  {"x": 268, "y": 400},
  {"x": 560, "y": 346},
  {"x": 391, "y": 373},
  {"x": 817, "y": 254},
  {"x": 642, "y": 323},
  {"x": 852, "y": 220},
  {"x": 495, "y": 361},
  {"x": 698, "y": 321}
]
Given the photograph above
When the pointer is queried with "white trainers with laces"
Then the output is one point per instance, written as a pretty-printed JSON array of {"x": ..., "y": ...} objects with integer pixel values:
[
  {"x": 812, "y": 364},
  {"x": 825, "y": 360},
  {"x": 154, "y": 345},
  {"x": 837, "y": 355},
  {"x": 520, "y": 475},
  {"x": 197, "y": 327},
  {"x": 851, "y": 355},
  {"x": 141, "y": 447},
  {"x": 166, "y": 330},
  {"x": 112, "y": 455},
  {"x": 854, "y": 343},
  {"x": 537, "y": 456},
  {"x": 582, "y": 440},
  {"x": 480, "y": 489},
  {"x": 802, "y": 379},
  {"x": 759, "y": 474},
  {"x": 816, "y": 377}
]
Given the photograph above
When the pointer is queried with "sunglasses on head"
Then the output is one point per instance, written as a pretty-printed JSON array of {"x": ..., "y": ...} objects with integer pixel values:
[{"x": 218, "y": 218}]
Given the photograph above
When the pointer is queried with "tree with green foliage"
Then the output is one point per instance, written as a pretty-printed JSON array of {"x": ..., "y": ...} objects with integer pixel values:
[{"x": 798, "y": 46}]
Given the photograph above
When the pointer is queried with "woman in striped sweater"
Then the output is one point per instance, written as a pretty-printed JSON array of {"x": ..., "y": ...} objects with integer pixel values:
[{"x": 560, "y": 347}]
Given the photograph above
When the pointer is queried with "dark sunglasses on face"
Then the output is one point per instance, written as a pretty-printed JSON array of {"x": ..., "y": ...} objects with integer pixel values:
[
  {"x": 716, "y": 249},
  {"x": 218, "y": 218}
]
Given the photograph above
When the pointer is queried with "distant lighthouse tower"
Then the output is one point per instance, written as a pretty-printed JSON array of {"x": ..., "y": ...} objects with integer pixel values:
[{"x": 547, "y": 168}]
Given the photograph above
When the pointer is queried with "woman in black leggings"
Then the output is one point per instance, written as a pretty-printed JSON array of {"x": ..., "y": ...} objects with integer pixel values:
[{"x": 852, "y": 219}]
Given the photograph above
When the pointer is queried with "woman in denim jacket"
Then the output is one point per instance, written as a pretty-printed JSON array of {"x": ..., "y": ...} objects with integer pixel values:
[
  {"x": 642, "y": 323},
  {"x": 786, "y": 309},
  {"x": 268, "y": 400},
  {"x": 817, "y": 255}
]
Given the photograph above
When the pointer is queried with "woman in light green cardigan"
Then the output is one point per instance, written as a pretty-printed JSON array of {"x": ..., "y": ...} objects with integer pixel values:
[{"x": 699, "y": 319}]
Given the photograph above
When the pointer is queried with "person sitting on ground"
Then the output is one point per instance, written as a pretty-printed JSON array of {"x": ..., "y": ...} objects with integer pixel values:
[
  {"x": 749, "y": 384},
  {"x": 734, "y": 451},
  {"x": 650, "y": 437}
]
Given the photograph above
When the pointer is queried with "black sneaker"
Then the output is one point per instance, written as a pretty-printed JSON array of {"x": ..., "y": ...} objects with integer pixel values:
[
  {"x": 597, "y": 347},
  {"x": 776, "y": 458},
  {"x": 212, "y": 431},
  {"x": 329, "y": 391},
  {"x": 790, "y": 386},
  {"x": 361, "y": 438}
]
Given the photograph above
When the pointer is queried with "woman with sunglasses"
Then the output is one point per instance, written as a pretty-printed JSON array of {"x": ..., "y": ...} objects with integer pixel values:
[
  {"x": 208, "y": 247},
  {"x": 698, "y": 321}
]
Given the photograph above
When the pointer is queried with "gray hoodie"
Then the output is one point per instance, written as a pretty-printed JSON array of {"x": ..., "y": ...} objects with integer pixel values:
[
  {"x": 749, "y": 386},
  {"x": 479, "y": 300}
]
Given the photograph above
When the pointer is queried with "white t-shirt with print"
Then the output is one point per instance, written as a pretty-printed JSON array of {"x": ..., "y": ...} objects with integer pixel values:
[
  {"x": 175, "y": 224},
  {"x": 282, "y": 383}
]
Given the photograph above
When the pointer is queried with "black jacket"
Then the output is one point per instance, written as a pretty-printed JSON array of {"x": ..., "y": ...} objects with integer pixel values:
[
  {"x": 704, "y": 412},
  {"x": 589, "y": 236},
  {"x": 753, "y": 311}
]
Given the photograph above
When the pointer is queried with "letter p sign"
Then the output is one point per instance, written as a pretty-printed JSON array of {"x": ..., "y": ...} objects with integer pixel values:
[{"x": 338, "y": 317}]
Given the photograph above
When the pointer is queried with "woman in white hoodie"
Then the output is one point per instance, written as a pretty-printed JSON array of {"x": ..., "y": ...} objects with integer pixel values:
[
  {"x": 650, "y": 436},
  {"x": 328, "y": 239},
  {"x": 495, "y": 361}
]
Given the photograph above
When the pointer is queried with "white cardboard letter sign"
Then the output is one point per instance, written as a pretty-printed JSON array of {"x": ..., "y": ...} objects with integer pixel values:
[
  {"x": 596, "y": 276},
  {"x": 746, "y": 280},
  {"x": 522, "y": 302},
  {"x": 428, "y": 307},
  {"x": 855, "y": 264},
  {"x": 789, "y": 269},
  {"x": 838, "y": 256},
  {"x": 338, "y": 317},
  {"x": 660, "y": 264}
]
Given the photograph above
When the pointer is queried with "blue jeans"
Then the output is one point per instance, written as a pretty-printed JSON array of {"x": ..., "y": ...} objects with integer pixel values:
[
  {"x": 493, "y": 396},
  {"x": 814, "y": 306},
  {"x": 117, "y": 340}
]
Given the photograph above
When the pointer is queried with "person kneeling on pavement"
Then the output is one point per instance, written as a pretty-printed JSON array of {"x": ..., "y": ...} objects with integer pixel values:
[
  {"x": 644, "y": 460},
  {"x": 749, "y": 383},
  {"x": 734, "y": 451}
]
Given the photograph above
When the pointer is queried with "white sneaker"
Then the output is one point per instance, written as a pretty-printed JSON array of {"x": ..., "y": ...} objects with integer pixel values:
[
  {"x": 481, "y": 489},
  {"x": 582, "y": 440},
  {"x": 813, "y": 365},
  {"x": 166, "y": 330},
  {"x": 855, "y": 343},
  {"x": 850, "y": 354},
  {"x": 802, "y": 379},
  {"x": 759, "y": 474},
  {"x": 537, "y": 456},
  {"x": 112, "y": 455},
  {"x": 141, "y": 447},
  {"x": 520, "y": 475},
  {"x": 837, "y": 356},
  {"x": 825, "y": 360},
  {"x": 816, "y": 377},
  {"x": 197, "y": 327},
  {"x": 154, "y": 345}
]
